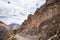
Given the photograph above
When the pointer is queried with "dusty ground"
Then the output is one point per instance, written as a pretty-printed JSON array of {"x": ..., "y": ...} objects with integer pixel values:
[
  {"x": 22, "y": 38},
  {"x": 18, "y": 37}
]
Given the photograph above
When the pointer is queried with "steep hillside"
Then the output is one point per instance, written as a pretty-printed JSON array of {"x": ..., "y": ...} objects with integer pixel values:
[
  {"x": 5, "y": 31},
  {"x": 44, "y": 24}
]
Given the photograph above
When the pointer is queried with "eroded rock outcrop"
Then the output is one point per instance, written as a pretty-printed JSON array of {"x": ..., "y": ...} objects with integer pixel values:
[{"x": 44, "y": 24}]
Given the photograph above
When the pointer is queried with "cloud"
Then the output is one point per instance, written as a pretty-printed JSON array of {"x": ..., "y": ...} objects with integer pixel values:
[{"x": 16, "y": 11}]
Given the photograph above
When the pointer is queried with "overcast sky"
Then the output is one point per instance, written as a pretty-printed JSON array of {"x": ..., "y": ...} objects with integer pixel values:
[{"x": 16, "y": 11}]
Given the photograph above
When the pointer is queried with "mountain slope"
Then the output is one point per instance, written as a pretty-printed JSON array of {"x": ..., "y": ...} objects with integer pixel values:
[
  {"x": 44, "y": 24},
  {"x": 5, "y": 31}
]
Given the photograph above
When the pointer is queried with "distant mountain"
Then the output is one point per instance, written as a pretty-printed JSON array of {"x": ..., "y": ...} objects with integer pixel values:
[
  {"x": 14, "y": 25},
  {"x": 1, "y": 22}
]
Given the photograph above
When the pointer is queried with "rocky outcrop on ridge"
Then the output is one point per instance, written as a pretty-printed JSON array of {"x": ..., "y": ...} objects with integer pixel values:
[{"x": 44, "y": 24}]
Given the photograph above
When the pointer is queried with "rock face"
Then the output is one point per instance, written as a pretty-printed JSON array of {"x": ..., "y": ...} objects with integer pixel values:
[
  {"x": 44, "y": 24},
  {"x": 4, "y": 31},
  {"x": 50, "y": 1}
]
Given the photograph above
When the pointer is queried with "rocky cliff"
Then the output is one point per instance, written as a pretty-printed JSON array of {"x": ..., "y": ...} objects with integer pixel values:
[{"x": 44, "y": 24}]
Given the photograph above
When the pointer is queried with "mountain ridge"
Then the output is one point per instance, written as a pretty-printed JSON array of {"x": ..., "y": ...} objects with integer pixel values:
[{"x": 40, "y": 24}]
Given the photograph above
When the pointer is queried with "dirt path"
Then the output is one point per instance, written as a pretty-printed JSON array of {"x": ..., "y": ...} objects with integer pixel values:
[{"x": 22, "y": 38}]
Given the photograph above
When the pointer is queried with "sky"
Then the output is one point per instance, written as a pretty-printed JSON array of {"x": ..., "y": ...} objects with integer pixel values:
[{"x": 16, "y": 11}]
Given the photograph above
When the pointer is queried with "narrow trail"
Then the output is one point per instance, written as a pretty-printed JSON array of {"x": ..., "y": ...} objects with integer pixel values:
[{"x": 21, "y": 38}]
